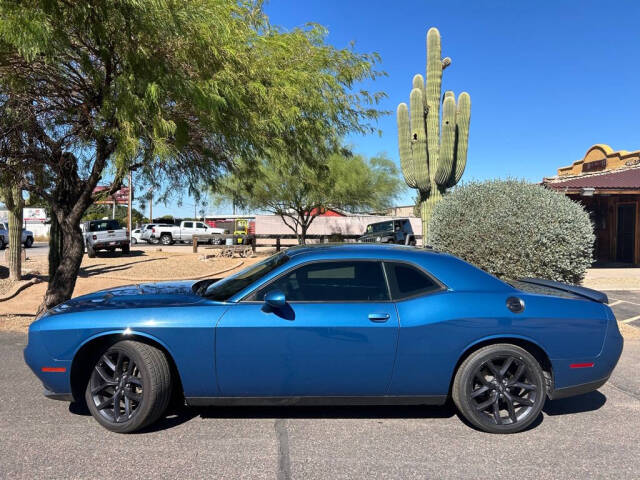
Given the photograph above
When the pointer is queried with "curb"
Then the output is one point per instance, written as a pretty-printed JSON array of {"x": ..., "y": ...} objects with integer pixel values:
[{"x": 19, "y": 288}]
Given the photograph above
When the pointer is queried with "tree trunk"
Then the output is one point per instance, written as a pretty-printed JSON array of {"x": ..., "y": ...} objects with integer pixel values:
[
  {"x": 63, "y": 280},
  {"x": 15, "y": 204},
  {"x": 426, "y": 209},
  {"x": 55, "y": 246}
]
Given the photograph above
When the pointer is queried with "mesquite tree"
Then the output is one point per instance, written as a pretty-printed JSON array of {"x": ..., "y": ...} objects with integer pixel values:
[{"x": 173, "y": 90}]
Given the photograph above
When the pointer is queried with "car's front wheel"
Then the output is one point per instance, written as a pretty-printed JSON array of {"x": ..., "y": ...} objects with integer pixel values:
[
  {"x": 28, "y": 242},
  {"x": 129, "y": 387},
  {"x": 500, "y": 388}
]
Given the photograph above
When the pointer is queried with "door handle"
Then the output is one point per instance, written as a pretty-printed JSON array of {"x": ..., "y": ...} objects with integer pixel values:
[{"x": 379, "y": 317}]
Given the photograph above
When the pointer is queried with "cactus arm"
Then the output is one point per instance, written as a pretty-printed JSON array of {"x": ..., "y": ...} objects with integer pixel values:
[
  {"x": 463, "y": 117},
  {"x": 434, "y": 89},
  {"x": 419, "y": 141},
  {"x": 447, "y": 145},
  {"x": 404, "y": 145}
]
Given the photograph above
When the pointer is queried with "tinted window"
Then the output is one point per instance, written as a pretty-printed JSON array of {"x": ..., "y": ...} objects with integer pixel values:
[
  {"x": 103, "y": 225},
  {"x": 200, "y": 225},
  {"x": 332, "y": 282},
  {"x": 406, "y": 281},
  {"x": 188, "y": 224}
]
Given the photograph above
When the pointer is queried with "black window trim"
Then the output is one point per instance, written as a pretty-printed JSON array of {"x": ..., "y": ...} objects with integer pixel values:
[
  {"x": 441, "y": 286},
  {"x": 328, "y": 260}
]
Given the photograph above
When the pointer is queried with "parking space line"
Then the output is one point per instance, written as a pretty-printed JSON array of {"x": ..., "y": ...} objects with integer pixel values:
[
  {"x": 628, "y": 320},
  {"x": 616, "y": 302}
]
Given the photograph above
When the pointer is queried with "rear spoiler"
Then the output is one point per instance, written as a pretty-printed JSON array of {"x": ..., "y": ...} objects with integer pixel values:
[{"x": 589, "y": 293}]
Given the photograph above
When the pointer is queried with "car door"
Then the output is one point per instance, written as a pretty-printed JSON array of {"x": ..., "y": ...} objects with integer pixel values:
[
  {"x": 336, "y": 335},
  {"x": 186, "y": 232},
  {"x": 201, "y": 229}
]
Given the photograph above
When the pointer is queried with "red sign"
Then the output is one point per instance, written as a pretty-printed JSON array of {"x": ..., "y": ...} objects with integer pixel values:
[{"x": 121, "y": 197}]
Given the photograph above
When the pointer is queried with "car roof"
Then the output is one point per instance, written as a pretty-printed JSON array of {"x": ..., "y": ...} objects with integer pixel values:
[{"x": 373, "y": 250}]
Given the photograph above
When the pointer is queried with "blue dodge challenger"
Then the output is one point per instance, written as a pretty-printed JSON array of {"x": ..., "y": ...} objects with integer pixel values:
[{"x": 330, "y": 324}]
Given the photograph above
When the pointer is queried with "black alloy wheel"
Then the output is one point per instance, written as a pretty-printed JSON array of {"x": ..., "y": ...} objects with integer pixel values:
[
  {"x": 500, "y": 389},
  {"x": 129, "y": 386},
  {"x": 28, "y": 242}
]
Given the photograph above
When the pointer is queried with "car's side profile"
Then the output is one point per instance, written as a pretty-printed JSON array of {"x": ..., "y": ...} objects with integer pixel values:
[{"x": 333, "y": 324}]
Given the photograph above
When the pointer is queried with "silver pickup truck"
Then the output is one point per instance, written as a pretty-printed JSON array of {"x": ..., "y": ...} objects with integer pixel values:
[
  {"x": 27, "y": 236},
  {"x": 104, "y": 235},
  {"x": 185, "y": 232}
]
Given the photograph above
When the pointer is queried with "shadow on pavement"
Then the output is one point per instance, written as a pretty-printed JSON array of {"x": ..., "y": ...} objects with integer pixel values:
[{"x": 582, "y": 403}]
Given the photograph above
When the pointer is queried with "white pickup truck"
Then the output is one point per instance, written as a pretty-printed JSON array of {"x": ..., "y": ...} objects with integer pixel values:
[
  {"x": 104, "y": 235},
  {"x": 185, "y": 233},
  {"x": 27, "y": 236}
]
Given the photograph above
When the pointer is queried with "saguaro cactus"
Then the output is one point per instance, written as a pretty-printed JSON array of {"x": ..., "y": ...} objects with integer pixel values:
[{"x": 433, "y": 160}]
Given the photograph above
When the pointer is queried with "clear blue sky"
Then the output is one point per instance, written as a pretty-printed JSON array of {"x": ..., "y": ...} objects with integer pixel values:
[{"x": 547, "y": 79}]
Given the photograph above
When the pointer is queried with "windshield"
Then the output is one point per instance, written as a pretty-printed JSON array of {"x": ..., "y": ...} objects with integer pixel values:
[
  {"x": 227, "y": 287},
  {"x": 380, "y": 227}
]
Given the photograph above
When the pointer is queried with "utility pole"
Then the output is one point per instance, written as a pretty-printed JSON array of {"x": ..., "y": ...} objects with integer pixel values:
[{"x": 151, "y": 204}]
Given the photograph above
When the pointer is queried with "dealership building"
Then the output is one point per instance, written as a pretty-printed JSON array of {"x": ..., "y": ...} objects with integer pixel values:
[{"x": 607, "y": 183}]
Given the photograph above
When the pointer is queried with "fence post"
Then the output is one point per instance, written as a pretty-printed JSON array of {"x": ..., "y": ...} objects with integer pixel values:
[
  {"x": 321, "y": 238},
  {"x": 277, "y": 244},
  {"x": 195, "y": 244},
  {"x": 253, "y": 244}
]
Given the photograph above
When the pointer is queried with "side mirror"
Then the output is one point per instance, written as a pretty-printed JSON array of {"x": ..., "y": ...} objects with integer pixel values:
[{"x": 275, "y": 299}]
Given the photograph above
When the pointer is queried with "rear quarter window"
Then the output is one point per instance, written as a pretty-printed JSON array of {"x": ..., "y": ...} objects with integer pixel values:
[{"x": 407, "y": 281}]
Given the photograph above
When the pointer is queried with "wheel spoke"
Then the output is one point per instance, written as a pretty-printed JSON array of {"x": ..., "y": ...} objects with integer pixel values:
[
  {"x": 101, "y": 387},
  {"x": 524, "y": 386},
  {"x": 510, "y": 408},
  {"x": 483, "y": 380},
  {"x": 522, "y": 400},
  {"x": 105, "y": 403},
  {"x": 479, "y": 391},
  {"x": 116, "y": 406},
  {"x": 485, "y": 404},
  {"x": 494, "y": 370},
  {"x": 135, "y": 380},
  {"x": 132, "y": 395},
  {"x": 119, "y": 361},
  {"x": 127, "y": 406},
  {"x": 109, "y": 363},
  {"x": 130, "y": 367},
  {"x": 505, "y": 366},
  {"x": 518, "y": 374},
  {"x": 496, "y": 412},
  {"x": 104, "y": 375}
]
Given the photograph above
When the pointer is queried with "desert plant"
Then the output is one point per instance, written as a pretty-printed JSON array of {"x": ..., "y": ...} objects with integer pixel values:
[
  {"x": 432, "y": 162},
  {"x": 514, "y": 229}
]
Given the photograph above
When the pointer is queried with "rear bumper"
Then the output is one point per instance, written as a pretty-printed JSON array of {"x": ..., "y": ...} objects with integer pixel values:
[
  {"x": 577, "y": 389},
  {"x": 111, "y": 244},
  {"x": 65, "y": 397}
]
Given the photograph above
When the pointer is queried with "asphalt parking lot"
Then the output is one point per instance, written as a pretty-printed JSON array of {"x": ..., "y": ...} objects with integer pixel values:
[
  {"x": 625, "y": 305},
  {"x": 592, "y": 436}
]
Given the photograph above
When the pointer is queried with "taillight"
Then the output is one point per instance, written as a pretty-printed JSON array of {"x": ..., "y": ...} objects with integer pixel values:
[
  {"x": 95, "y": 237},
  {"x": 153, "y": 230}
]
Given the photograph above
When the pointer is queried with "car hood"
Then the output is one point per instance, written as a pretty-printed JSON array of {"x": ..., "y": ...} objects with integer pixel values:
[{"x": 143, "y": 295}]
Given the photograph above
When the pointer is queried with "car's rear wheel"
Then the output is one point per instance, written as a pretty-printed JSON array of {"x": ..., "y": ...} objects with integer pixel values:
[
  {"x": 129, "y": 387},
  {"x": 28, "y": 242},
  {"x": 133, "y": 240},
  {"x": 500, "y": 388},
  {"x": 91, "y": 253},
  {"x": 166, "y": 239}
]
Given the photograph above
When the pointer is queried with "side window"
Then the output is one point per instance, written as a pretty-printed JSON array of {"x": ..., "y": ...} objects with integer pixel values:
[
  {"x": 188, "y": 224},
  {"x": 406, "y": 281},
  {"x": 200, "y": 225},
  {"x": 348, "y": 281}
]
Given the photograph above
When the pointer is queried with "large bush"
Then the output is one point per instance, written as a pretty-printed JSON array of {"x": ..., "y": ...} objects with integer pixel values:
[{"x": 514, "y": 229}]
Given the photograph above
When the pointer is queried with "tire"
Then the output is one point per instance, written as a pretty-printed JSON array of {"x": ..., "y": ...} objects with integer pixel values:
[
  {"x": 501, "y": 375},
  {"x": 133, "y": 240},
  {"x": 126, "y": 249},
  {"x": 166, "y": 239},
  {"x": 91, "y": 253},
  {"x": 28, "y": 242},
  {"x": 136, "y": 376},
  {"x": 154, "y": 241},
  {"x": 3, "y": 245}
]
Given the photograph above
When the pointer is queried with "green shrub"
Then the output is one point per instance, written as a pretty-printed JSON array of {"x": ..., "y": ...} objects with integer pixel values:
[{"x": 514, "y": 229}]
